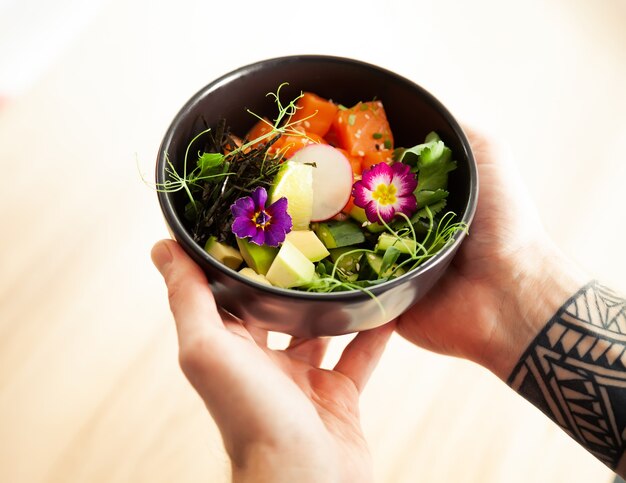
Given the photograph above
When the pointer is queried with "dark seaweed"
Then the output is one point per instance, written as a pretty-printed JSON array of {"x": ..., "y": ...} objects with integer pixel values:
[{"x": 214, "y": 197}]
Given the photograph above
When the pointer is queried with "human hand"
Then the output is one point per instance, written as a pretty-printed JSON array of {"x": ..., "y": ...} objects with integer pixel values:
[
  {"x": 282, "y": 418},
  {"x": 506, "y": 281}
]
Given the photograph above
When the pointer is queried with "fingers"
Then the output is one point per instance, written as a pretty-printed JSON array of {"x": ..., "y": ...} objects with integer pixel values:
[
  {"x": 259, "y": 335},
  {"x": 362, "y": 354},
  {"x": 240, "y": 327},
  {"x": 234, "y": 324},
  {"x": 191, "y": 300},
  {"x": 311, "y": 351},
  {"x": 488, "y": 149}
]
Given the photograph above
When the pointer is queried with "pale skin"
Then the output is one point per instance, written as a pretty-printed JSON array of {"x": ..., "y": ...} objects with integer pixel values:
[
  {"x": 282, "y": 418},
  {"x": 506, "y": 282}
]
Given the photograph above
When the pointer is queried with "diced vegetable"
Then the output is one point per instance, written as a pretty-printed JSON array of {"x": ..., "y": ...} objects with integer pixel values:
[
  {"x": 404, "y": 245},
  {"x": 363, "y": 128},
  {"x": 223, "y": 253},
  {"x": 257, "y": 257},
  {"x": 335, "y": 234},
  {"x": 332, "y": 179},
  {"x": 317, "y": 113},
  {"x": 371, "y": 268},
  {"x": 349, "y": 262},
  {"x": 308, "y": 243},
  {"x": 252, "y": 275},
  {"x": 358, "y": 214},
  {"x": 290, "y": 268}
]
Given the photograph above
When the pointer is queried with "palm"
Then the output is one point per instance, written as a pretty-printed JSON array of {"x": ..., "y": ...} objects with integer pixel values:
[
  {"x": 333, "y": 395},
  {"x": 458, "y": 317},
  {"x": 312, "y": 399}
]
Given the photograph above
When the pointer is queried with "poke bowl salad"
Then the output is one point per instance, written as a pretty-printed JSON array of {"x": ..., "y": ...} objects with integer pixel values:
[{"x": 316, "y": 197}]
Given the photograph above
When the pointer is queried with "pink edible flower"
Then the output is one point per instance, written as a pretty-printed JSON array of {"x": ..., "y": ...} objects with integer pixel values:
[{"x": 386, "y": 190}]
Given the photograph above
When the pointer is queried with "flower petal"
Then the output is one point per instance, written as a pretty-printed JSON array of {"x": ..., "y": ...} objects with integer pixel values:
[
  {"x": 362, "y": 195},
  {"x": 377, "y": 174},
  {"x": 279, "y": 206},
  {"x": 406, "y": 204},
  {"x": 370, "y": 211},
  {"x": 282, "y": 221},
  {"x": 404, "y": 181},
  {"x": 400, "y": 169},
  {"x": 259, "y": 196},
  {"x": 243, "y": 207},
  {"x": 244, "y": 227},
  {"x": 274, "y": 235},
  {"x": 259, "y": 237},
  {"x": 386, "y": 212}
]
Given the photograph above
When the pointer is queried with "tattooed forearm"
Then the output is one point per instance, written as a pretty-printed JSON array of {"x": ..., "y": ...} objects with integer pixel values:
[{"x": 575, "y": 372}]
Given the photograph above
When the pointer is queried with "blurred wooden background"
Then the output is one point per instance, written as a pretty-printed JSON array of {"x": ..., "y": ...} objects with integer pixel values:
[{"x": 90, "y": 390}]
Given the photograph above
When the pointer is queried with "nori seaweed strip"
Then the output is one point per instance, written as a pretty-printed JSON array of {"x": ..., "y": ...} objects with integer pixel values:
[{"x": 253, "y": 168}]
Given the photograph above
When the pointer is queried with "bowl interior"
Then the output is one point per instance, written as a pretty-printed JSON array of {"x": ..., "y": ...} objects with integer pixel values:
[{"x": 412, "y": 112}]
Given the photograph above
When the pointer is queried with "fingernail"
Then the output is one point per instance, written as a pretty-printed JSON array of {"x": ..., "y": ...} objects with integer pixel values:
[{"x": 161, "y": 256}]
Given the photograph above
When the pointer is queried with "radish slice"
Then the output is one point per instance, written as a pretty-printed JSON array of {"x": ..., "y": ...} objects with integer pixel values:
[{"x": 332, "y": 179}]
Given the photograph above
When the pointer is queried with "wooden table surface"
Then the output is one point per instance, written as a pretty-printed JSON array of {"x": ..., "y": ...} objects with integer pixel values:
[{"x": 90, "y": 389}]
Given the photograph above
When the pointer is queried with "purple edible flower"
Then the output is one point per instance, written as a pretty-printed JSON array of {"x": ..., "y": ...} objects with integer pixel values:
[
  {"x": 386, "y": 190},
  {"x": 264, "y": 226}
]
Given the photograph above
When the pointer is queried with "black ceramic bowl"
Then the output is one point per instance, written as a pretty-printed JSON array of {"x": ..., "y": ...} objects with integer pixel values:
[{"x": 412, "y": 113}]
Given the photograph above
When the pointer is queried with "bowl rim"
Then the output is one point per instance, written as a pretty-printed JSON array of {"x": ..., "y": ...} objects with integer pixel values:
[{"x": 181, "y": 234}]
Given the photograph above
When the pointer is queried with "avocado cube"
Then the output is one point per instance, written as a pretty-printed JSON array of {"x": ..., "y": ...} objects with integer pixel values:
[
  {"x": 252, "y": 275},
  {"x": 257, "y": 257},
  {"x": 223, "y": 253},
  {"x": 307, "y": 242},
  {"x": 290, "y": 268}
]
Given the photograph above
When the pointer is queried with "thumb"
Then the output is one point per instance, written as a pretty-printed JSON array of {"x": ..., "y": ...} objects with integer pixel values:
[{"x": 190, "y": 298}]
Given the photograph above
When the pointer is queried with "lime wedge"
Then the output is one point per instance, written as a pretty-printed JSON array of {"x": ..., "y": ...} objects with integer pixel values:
[{"x": 294, "y": 181}]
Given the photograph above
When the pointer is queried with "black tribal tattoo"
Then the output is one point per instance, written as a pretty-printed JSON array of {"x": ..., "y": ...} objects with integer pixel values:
[{"x": 575, "y": 372}]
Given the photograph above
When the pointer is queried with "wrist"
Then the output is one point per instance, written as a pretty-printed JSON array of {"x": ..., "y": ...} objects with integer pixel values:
[
  {"x": 297, "y": 462},
  {"x": 539, "y": 282}
]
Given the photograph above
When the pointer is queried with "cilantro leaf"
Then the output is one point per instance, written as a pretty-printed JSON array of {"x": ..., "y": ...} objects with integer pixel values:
[
  {"x": 431, "y": 161},
  {"x": 435, "y": 208},
  {"x": 412, "y": 155},
  {"x": 432, "y": 136},
  {"x": 429, "y": 197},
  {"x": 433, "y": 167}
]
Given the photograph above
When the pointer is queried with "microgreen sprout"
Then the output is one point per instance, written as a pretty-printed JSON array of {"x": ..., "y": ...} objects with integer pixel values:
[{"x": 177, "y": 182}]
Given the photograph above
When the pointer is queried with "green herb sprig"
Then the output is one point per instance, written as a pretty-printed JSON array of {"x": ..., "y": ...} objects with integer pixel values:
[{"x": 225, "y": 171}]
